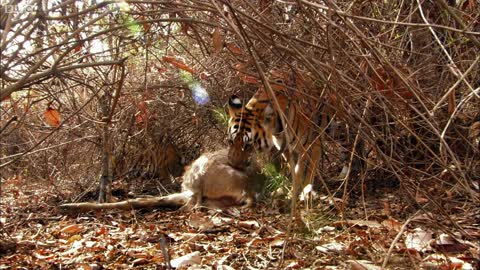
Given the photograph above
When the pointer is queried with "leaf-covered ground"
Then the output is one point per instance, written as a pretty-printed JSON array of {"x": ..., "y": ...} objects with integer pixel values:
[{"x": 35, "y": 235}]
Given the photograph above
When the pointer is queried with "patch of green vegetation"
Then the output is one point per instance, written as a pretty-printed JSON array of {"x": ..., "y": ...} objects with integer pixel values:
[
  {"x": 276, "y": 179},
  {"x": 187, "y": 78},
  {"x": 134, "y": 27},
  {"x": 221, "y": 117}
]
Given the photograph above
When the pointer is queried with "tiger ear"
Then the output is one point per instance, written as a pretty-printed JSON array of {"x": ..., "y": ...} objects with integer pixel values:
[{"x": 234, "y": 105}]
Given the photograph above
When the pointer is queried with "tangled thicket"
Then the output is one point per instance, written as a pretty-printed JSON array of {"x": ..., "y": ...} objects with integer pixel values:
[{"x": 126, "y": 79}]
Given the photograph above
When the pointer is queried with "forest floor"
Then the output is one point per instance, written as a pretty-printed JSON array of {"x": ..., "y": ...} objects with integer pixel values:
[{"x": 380, "y": 228}]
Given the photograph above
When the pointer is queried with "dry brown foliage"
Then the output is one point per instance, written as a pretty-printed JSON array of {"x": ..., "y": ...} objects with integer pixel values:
[{"x": 116, "y": 84}]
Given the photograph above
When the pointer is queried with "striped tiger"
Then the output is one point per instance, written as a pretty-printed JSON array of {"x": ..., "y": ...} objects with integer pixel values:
[{"x": 293, "y": 128}]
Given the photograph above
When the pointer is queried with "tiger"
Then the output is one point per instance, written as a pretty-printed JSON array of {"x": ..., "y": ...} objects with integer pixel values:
[
  {"x": 283, "y": 121},
  {"x": 155, "y": 159}
]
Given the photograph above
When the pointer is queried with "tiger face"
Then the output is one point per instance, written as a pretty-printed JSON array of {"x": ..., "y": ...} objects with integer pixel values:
[{"x": 248, "y": 130}]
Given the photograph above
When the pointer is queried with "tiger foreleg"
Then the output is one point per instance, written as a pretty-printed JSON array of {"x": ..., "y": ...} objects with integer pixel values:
[{"x": 297, "y": 165}]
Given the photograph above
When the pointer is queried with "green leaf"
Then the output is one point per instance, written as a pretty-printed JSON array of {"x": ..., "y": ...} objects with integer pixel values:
[{"x": 220, "y": 116}]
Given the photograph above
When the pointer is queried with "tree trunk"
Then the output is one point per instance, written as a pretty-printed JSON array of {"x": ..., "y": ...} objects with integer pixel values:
[{"x": 105, "y": 192}]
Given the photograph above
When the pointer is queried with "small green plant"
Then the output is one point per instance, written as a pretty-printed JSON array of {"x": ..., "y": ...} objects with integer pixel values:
[
  {"x": 275, "y": 178},
  {"x": 220, "y": 116}
]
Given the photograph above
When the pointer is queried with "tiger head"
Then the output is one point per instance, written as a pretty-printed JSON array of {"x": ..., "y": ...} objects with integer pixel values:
[{"x": 248, "y": 130}]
